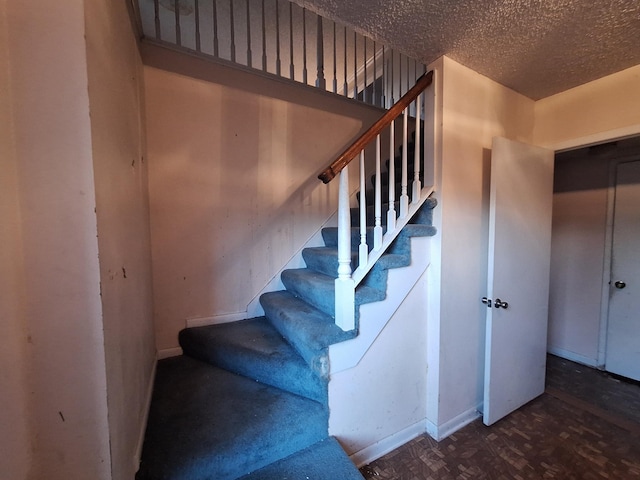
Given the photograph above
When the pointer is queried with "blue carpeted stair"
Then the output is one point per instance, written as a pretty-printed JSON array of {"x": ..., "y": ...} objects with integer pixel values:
[{"x": 249, "y": 399}]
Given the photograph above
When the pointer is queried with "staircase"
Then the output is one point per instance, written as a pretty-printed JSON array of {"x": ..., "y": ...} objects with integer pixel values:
[{"x": 249, "y": 400}]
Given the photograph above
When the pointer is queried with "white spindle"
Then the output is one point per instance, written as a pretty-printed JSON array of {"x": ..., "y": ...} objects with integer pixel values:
[
  {"x": 292, "y": 70},
  {"x": 216, "y": 50},
  {"x": 320, "y": 80},
  {"x": 345, "y": 288},
  {"x": 404, "y": 198},
  {"x": 304, "y": 46},
  {"x": 156, "y": 13},
  {"x": 346, "y": 86},
  {"x": 363, "y": 252},
  {"x": 391, "y": 213},
  {"x": 232, "y": 25},
  {"x": 196, "y": 7},
  {"x": 335, "y": 61},
  {"x": 278, "y": 61},
  {"x": 355, "y": 65},
  {"x": 377, "y": 230},
  {"x": 364, "y": 87},
  {"x": 416, "y": 155},
  {"x": 264, "y": 40},
  {"x": 177, "y": 16},
  {"x": 249, "y": 54}
]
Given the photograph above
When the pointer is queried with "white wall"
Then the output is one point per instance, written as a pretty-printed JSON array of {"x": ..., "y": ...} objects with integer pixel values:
[
  {"x": 15, "y": 435},
  {"x": 475, "y": 109},
  {"x": 120, "y": 170},
  {"x": 577, "y": 257},
  {"x": 233, "y": 160},
  {"x": 62, "y": 315},
  {"x": 605, "y": 109},
  {"x": 597, "y": 111},
  {"x": 381, "y": 403}
]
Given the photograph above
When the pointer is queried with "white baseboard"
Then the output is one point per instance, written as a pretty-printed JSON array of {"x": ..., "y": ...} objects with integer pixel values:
[
  {"x": 574, "y": 357},
  {"x": 216, "y": 319},
  {"x": 440, "y": 432},
  {"x": 169, "y": 352},
  {"x": 388, "y": 444},
  {"x": 137, "y": 456}
]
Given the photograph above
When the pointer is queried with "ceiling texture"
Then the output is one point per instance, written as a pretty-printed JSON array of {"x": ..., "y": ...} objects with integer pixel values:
[{"x": 535, "y": 47}]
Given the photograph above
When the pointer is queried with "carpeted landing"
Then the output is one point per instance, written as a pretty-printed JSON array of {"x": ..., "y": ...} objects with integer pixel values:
[{"x": 208, "y": 423}]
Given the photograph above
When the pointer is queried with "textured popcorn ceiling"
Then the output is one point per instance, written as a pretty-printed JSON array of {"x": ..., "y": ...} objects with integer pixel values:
[{"x": 536, "y": 47}]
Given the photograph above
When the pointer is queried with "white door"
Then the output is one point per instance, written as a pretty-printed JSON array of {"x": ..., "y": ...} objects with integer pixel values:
[
  {"x": 518, "y": 276},
  {"x": 623, "y": 328}
]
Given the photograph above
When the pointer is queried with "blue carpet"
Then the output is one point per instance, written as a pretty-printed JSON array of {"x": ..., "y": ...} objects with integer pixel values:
[{"x": 207, "y": 423}]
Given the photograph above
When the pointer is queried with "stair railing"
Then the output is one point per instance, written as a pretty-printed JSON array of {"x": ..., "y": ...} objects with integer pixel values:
[
  {"x": 281, "y": 38},
  {"x": 347, "y": 279}
]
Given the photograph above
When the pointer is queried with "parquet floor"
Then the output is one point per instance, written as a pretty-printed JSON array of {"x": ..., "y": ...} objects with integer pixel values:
[{"x": 585, "y": 426}]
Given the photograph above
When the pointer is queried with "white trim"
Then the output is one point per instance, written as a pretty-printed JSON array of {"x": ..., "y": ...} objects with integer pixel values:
[
  {"x": 216, "y": 319},
  {"x": 169, "y": 352},
  {"x": 388, "y": 444},
  {"x": 596, "y": 138},
  {"x": 137, "y": 456},
  {"x": 606, "y": 268},
  {"x": 574, "y": 357},
  {"x": 440, "y": 432}
]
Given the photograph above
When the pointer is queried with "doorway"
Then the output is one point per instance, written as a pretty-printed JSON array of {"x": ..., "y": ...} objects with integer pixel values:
[{"x": 583, "y": 207}]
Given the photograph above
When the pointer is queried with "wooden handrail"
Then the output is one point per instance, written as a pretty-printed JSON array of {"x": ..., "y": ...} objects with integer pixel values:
[{"x": 352, "y": 152}]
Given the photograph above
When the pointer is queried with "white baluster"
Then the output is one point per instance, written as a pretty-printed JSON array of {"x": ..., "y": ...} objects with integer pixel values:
[
  {"x": 232, "y": 24},
  {"x": 404, "y": 198},
  {"x": 216, "y": 51},
  {"x": 156, "y": 13},
  {"x": 377, "y": 230},
  {"x": 391, "y": 213},
  {"x": 363, "y": 252},
  {"x": 177, "y": 16},
  {"x": 320, "y": 80},
  {"x": 278, "y": 61},
  {"x": 345, "y": 288},
  {"x": 196, "y": 12},
  {"x": 416, "y": 155},
  {"x": 249, "y": 54}
]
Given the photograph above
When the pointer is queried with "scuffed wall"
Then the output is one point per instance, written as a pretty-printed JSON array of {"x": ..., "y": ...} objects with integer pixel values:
[
  {"x": 233, "y": 160},
  {"x": 122, "y": 211}
]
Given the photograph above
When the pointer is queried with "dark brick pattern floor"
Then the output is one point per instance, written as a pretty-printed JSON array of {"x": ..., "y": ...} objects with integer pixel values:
[{"x": 585, "y": 426}]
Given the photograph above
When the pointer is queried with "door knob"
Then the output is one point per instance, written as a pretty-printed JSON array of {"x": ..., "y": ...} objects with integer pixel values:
[
  {"x": 620, "y": 284},
  {"x": 500, "y": 304}
]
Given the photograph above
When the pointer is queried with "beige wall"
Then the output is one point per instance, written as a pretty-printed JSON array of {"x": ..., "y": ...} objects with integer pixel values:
[
  {"x": 600, "y": 110},
  {"x": 120, "y": 171},
  {"x": 62, "y": 312},
  {"x": 15, "y": 436},
  {"x": 577, "y": 256},
  {"x": 233, "y": 160},
  {"x": 475, "y": 109}
]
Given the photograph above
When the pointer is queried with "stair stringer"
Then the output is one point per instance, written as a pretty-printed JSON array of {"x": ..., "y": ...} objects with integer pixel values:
[{"x": 375, "y": 316}]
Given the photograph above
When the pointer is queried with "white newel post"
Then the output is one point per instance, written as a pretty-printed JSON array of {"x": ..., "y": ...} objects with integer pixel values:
[{"x": 345, "y": 287}]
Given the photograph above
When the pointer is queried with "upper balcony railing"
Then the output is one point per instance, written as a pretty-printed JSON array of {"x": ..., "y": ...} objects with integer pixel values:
[{"x": 280, "y": 38}]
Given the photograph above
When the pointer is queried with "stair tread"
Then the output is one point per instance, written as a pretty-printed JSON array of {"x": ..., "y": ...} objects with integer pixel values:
[
  {"x": 205, "y": 422},
  {"x": 308, "y": 329},
  {"x": 255, "y": 349},
  {"x": 325, "y": 460},
  {"x": 318, "y": 289}
]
